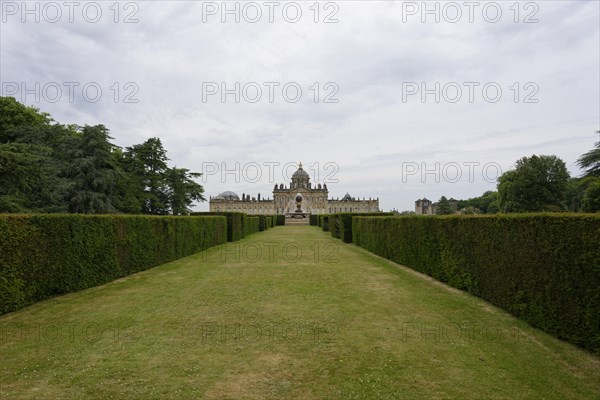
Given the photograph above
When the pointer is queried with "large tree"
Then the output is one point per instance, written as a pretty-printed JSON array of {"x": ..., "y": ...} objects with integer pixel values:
[
  {"x": 129, "y": 188},
  {"x": 93, "y": 171},
  {"x": 29, "y": 180},
  {"x": 538, "y": 183},
  {"x": 183, "y": 190},
  {"x": 574, "y": 193},
  {"x": 591, "y": 196},
  {"x": 590, "y": 161},
  {"x": 444, "y": 207},
  {"x": 584, "y": 192},
  {"x": 21, "y": 172},
  {"x": 148, "y": 163},
  {"x": 14, "y": 115}
]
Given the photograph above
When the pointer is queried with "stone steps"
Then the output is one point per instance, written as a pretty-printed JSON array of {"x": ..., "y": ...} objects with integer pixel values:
[{"x": 296, "y": 221}]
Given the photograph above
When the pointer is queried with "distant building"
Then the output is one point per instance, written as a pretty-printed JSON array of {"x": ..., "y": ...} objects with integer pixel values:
[
  {"x": 300, "y": 196},
  {"x": 425, "y": 206}
]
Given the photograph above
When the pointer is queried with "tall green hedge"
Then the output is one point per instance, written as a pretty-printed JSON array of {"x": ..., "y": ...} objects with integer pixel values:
[
  {"x": 324, "y": 222},
  {"x": 334, "y": 225},
  {"x": 47, "y": 255},
  {"x": 313, "y": 219},
  {"x": 265, "y": 222},
  {"x": 235, "y": 223},
  {"x": 251, "y": 225},
  {"x": 543, "y": 268},
  {"x": 280, "y": 220},
  {"x": 344, "y": 222},
  {"x": 262, "y": 223}
]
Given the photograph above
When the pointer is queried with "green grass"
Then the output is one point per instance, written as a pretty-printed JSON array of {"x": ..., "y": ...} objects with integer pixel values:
[{"x": 335, "y": 323}]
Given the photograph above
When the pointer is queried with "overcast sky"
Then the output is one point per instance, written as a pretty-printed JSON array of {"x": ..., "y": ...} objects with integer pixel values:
[{"x": 405, "y": 103}]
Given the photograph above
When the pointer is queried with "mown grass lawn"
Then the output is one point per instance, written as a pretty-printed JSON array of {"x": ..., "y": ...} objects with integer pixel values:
[{"x": 285, "y": 314}]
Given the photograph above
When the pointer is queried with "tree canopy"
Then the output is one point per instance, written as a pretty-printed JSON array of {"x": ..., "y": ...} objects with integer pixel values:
[
  {"x": 538, "y": 183},
  {"x": 590, "y": 161},
  {"x": 444, "y": 207}
]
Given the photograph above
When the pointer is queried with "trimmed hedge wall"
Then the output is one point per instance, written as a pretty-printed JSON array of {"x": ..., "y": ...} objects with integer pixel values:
[
  {"x": 265, "y": 222},
  {"x": 344, "y": 222},
  {"x": 262, "y": 223},
  {"x": 251, "y": 225},
  {"x": 280, "y": 220},
  {"x": 48, "y": 255},
  {"x": 235, "y": 223},
  {"x": 543, "y": 268},
  {"x": 334, "y": 225},
  {"x": 324, "y": 222},
  {"x": 313, "y": 219}
]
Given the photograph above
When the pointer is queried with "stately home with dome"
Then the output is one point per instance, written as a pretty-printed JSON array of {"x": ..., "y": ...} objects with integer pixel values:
[{"x": 299, "y": 199}]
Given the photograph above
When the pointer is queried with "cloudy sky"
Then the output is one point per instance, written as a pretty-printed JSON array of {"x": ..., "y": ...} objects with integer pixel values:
[{"x": 391, "y": 99}]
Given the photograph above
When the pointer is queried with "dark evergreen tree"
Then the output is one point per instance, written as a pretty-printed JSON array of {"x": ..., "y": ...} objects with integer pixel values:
[
  {"x": 183, "y": 190},
  {"x": 590, "y": 161},
  {"x": 444, "y": 207},
  {"x": 93, "y": 171},
  {"x": 148, "y": 163}
]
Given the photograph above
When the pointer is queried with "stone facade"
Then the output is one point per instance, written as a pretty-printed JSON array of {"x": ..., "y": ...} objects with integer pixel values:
[
  {"x": 314, "y": 200},
  {"x": 424, "y": 206},
  {"x": 427, "y": 207}
]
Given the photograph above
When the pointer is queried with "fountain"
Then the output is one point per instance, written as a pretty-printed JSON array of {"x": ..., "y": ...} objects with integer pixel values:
[{"x": 298, "y": 212}]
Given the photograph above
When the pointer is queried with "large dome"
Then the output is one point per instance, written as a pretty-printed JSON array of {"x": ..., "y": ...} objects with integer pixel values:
[
  {"x": 300, "y": 173},
  {"x": 228, "y": 195}
]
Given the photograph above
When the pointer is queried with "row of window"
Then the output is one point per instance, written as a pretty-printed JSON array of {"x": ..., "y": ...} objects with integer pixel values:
[
  {"x": 261, "y": 211},
  {"x": 283, "y": 200},
  {"x": 347, "y": 209}
]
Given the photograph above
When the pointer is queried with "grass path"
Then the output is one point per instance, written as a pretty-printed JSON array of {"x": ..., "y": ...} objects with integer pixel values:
[{"x": 285, "y": 314}]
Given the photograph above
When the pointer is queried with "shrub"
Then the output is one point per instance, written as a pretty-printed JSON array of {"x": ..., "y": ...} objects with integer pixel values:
[
  {"x": 543, "y": 268},
  {"x": 313, "y": 219},
  {"x": 48, "y": 255}
]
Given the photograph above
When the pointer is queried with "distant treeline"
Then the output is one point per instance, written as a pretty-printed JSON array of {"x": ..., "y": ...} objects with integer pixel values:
[{"x": 537, "y": 183}]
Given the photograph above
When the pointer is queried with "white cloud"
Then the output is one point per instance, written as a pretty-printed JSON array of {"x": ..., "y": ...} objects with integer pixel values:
[{"x": 369, "y": 54}]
